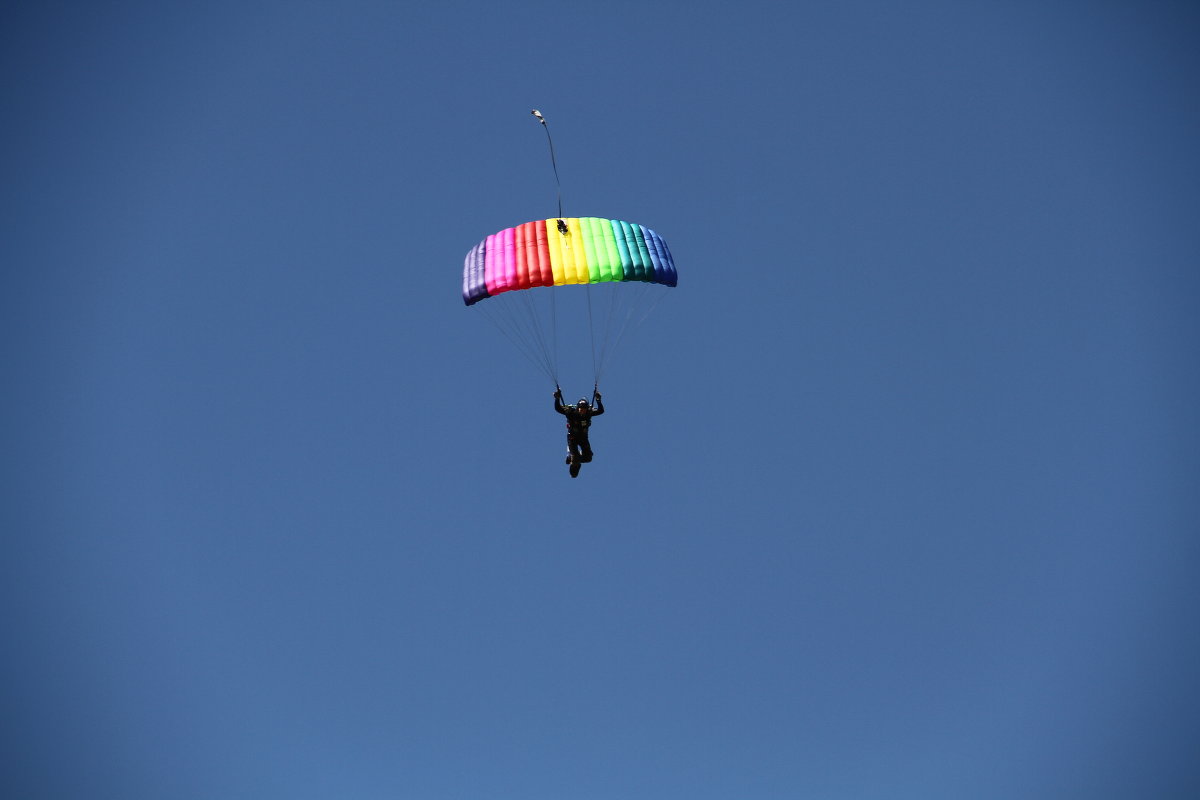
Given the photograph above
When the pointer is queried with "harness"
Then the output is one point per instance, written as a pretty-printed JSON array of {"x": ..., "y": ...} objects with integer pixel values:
[{"x": 578, "y": 421}]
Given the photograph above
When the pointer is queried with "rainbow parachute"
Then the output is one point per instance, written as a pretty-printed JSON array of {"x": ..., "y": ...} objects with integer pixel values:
[{"x": 558, "y": 252}]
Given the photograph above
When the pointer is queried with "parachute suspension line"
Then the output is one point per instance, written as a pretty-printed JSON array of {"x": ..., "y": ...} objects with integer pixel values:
[
  {"x": 606, "y": 339},
  {"x": 592, "y": 333},
  {"x": 510, "y": 327},
  {"x": 535, "y": 328},
  {"x": 553, "y": 163},
  {"x": 554, "y": 333},
  {"x": 631, "y": 320},
  {"x": 528, "y": 331}
]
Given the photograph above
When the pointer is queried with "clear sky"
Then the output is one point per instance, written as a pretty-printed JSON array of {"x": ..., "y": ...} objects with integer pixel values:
[{"x": 895, "y": 496}]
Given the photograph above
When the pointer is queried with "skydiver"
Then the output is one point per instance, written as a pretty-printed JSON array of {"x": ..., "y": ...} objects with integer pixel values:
[{"x": 579, "y": 418}]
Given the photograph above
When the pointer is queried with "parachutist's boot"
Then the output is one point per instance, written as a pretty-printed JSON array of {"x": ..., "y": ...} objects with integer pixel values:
[{"x": 575, "y": 469}]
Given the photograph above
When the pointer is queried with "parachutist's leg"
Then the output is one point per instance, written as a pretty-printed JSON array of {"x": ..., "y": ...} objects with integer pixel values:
[{"x": 586, "y": 447}]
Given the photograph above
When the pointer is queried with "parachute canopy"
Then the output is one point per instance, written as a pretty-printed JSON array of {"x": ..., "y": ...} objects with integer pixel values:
[{"x": 557, "y": 252}]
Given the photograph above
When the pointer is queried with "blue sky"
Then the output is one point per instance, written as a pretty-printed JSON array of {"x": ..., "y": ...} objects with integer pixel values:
[{"x": 894, "y": 497}]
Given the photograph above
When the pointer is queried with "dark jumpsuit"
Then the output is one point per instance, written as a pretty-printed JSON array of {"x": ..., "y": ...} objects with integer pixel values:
[{"x": 578, "y": 421}]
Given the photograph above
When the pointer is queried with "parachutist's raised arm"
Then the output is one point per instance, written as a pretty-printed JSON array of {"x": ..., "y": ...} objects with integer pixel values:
[
  {"x": 558, "y": 404},
  {"x": 598, "y": 408}
]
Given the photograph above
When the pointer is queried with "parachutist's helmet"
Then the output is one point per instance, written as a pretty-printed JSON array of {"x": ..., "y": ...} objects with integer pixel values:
[{"x": 583, "y": 403}]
